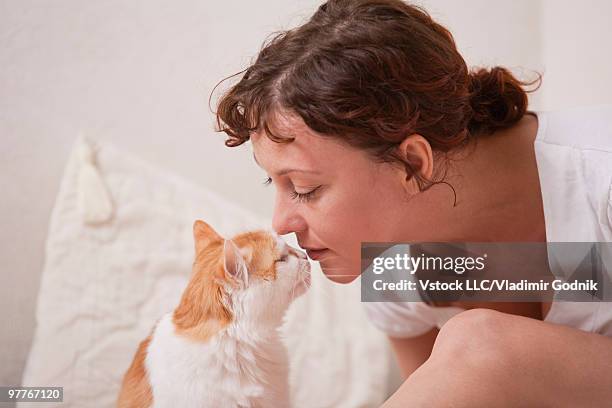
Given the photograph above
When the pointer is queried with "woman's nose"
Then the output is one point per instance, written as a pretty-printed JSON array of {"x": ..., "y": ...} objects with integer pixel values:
[{"x": 286, "y": 219}]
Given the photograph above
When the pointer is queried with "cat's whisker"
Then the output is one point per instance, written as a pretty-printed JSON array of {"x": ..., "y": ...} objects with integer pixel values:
[{"x": 292, "y": 297}]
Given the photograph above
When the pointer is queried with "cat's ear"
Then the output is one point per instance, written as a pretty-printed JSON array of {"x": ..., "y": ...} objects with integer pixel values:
[
  {"x": 204, "y": 235},
  {"x": 234, "y": 262}
]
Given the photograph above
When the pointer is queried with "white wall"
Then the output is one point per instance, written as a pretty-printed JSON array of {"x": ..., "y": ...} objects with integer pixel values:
[
  {"x": 139, "y": 73},
  {"x": 576, "y": 52},
  {"x": 491, "y": 33}
]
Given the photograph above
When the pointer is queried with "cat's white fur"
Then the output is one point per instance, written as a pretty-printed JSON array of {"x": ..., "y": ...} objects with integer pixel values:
[{"x": 243, "y": 365}]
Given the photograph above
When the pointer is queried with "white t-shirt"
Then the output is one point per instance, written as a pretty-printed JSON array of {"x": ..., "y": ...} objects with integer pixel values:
[{"x": 573, "y": 150}]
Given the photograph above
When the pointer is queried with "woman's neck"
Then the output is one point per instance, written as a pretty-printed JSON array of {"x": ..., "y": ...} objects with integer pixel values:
[{"x": 498, "y": 188}]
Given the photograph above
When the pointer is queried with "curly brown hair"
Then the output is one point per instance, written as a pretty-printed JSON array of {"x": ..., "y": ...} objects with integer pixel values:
[{"x": 371, "y": 72}]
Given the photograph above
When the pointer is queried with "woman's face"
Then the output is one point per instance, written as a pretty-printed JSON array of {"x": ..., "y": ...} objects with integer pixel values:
[{"x": 332, "y": 196}]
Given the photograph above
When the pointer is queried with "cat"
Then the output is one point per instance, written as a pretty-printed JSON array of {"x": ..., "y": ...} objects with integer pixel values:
[{"x": 221, "y": 346}]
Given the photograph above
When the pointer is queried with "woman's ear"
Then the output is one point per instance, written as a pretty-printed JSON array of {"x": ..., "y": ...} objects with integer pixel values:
[{"x": 416, "y": 152}]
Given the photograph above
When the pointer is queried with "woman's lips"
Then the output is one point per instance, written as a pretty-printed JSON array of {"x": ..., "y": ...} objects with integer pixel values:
[{"x": 316, "y": 254}]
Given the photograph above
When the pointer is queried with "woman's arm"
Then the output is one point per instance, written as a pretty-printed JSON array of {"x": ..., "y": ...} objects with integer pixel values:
[
  {"x": 413, "y": 351},
  {"x": 485, "y": 358}
]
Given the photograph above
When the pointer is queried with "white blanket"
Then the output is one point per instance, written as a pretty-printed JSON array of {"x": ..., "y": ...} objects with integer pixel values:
[{"x": 118, "y": 255}]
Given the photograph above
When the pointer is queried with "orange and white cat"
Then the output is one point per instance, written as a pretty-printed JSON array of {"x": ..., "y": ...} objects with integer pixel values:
[{"x": 220, "y": 347}]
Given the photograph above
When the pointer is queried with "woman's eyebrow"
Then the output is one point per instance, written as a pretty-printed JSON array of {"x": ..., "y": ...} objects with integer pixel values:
[{"x": 288, "y": 170}]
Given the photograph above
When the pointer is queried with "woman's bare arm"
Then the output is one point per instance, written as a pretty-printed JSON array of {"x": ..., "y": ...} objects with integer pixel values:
[
  {"x": 485, "y": 358},
  {"x": 413, "y": 351}
]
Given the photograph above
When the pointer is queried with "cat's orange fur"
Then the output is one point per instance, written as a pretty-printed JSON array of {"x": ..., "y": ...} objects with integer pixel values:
[
  {"x": 136, "y": 390},
  {"x": 201, "y": 313}
]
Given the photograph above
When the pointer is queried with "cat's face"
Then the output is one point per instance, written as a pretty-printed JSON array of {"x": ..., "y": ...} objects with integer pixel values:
[{"x": 258, "y": 271}]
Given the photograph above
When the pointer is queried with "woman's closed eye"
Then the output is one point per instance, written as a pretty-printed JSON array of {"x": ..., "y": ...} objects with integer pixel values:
[
  {"x": 303, "y": 197},
  {"x": 300, "y": 197}
]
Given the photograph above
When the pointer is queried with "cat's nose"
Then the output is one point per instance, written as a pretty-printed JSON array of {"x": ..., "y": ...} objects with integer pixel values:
[{"x": 300, "y": 254}]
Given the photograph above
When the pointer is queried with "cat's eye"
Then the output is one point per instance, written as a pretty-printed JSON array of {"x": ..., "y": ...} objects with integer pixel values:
[{"x": 283, "y": 258}]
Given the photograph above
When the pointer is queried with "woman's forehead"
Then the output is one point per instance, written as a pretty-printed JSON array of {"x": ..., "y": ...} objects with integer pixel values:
[
  {"x": 304, "y": 149},
  {"x": 309, "y": 149}
]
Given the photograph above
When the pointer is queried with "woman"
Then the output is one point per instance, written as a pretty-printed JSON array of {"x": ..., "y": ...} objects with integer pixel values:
[{"x": 372, "y": 129}]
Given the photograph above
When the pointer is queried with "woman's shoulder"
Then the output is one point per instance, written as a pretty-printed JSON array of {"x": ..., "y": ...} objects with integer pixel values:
[
  {"x": 574, "y": 159},
  {"x": 581, "y": 128}
]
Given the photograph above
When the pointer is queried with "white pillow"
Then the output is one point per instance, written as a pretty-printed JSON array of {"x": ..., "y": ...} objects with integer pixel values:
[{"x": 118, "y": 255}]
